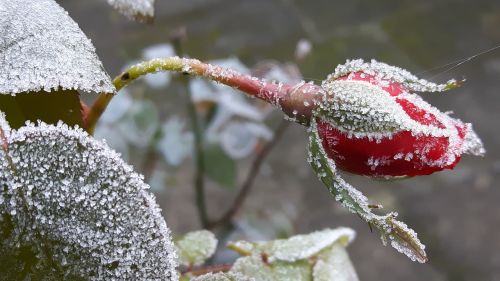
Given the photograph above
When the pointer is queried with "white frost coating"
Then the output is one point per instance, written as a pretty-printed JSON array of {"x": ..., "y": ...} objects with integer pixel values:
[
  {"x": 335, "y": 266},
  {"x": 220, "y": 276},
  {"x": 42, "y": 48},
  {"x": 297, "y": 247},
  {"x": 71, "y": 200},
  {"x": 134, "y": 8}
]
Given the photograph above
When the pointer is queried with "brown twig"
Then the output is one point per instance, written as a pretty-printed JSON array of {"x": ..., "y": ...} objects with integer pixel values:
[{"x": 252, "y": 174}]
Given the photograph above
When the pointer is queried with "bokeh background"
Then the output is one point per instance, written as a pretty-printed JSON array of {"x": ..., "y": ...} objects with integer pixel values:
[{"x": 456, "y": 213}]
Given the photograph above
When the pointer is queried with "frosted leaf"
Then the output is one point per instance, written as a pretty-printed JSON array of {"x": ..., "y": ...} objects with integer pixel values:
[
  {"x": 254, "y": 267},
  {"x": 222, "y": 277},
  {"x": 77, "y": 210},
  {"x": 196, "y": 247},
  {"x": 42, "y": 48},
  {"x": 142, "y": 10},
  {"x": 387, "y": 72},
  {"x": 402, "y": 238},
  {"x": 297, "y": 247},
  {"x": 334, "y": 264}
]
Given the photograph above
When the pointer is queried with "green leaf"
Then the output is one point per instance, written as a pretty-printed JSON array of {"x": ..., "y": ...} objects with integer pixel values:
[
  {"x": 219, "y": 167},
  {"x": 298, "y": 247},
  {"x": 334, "y": 264},
  {"x": 196, "y": 247},
  {"x": 220, "y": 276},
  {"x": 254, "y": 267},
  {"x": 71, "y": 209},
  {"x": 402, "y": 238},
  {"x": 48, "y": 107}
]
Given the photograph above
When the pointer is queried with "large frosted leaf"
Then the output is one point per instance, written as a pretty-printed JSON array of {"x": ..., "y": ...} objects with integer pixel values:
[
  {"x": 71, "y": 209},
  {"x": 196, "y": 247},
  {"x": 142, "y": 10},
  {"x": 42, "y": 48}
]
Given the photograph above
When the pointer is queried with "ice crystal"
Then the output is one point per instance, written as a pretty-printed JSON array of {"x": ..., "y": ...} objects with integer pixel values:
[
  {"x": 71, "y": 208},
  {"x": 402, "y": 238},
  {"x": 196, "y": 247},
  {"x": 42, "y": 48},
  {"x": 136, "y": 9}
]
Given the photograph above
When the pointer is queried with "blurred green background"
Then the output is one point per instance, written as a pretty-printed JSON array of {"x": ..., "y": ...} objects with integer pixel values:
[{"x": 456, "y": 213}]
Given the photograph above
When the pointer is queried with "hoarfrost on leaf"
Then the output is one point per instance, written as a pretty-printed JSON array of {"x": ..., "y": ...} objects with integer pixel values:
[
  {"x": 77, "y": 210},
  {"x": 42, "y": 48},
  {"x": 220, "y": 276},
  {"x": 142, "y": 10},
  {"x": 307, "y": 257},
  {"x": 334, "y": 264},
  {"x": 196, "y": 247},
  {"x": 402, "y": 238}
]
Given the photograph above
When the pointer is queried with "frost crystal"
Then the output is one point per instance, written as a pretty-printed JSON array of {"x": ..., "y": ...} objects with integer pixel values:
[
  {"x": 70, "y": 208},
  {"x": 137, "y": 9},
  {"x": 42, "y": 48}
]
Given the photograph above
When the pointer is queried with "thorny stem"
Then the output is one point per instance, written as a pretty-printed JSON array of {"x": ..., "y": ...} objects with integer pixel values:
[
  {"x": 252, "y": 174},
  {"x": 297, "y": 101}
]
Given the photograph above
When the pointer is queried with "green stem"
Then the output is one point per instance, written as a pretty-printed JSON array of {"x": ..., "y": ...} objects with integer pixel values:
[{"x": 297, "y": 101}]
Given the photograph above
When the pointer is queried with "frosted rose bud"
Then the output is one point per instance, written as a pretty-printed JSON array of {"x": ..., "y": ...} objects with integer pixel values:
[{"x": 371, "y": 123}]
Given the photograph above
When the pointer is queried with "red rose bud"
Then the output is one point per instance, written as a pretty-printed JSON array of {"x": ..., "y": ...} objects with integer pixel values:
[{"x": 372, "y": 124}]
